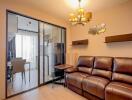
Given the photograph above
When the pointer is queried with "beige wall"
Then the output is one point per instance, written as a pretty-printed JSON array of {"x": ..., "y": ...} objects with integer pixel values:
[
  {"x": 118, "y": 21},
  {"x": 29, "y": 12}
]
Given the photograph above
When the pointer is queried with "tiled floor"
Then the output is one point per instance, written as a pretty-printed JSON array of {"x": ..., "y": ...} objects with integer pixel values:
[{"x": 48, "y": 92}]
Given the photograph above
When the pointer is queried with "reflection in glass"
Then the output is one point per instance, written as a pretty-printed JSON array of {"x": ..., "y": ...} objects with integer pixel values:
[
  {"x": 22, "y": 54},
  {"x": 33, "y": 49},
  {"x": 53, "y": 49}
]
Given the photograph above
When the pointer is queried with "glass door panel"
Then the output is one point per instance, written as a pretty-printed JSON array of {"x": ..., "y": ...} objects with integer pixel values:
[
  {"x": 22, "y": 54},
  {"x": 52, "y": 48},
  {"x": 48, "y": 52}
]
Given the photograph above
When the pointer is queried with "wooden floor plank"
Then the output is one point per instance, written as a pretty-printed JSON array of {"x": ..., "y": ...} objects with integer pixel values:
[{"x": 46, "y": 92}]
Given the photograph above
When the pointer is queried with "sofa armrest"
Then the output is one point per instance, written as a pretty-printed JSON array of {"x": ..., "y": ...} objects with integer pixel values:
[{"x": 71, "y": 70}]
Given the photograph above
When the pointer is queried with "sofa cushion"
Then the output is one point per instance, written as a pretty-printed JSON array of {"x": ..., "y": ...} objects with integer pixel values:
[
  {"x": 122, "y": 78},
  {"x": 122, "y": 71},
  {"x": 118, "y": 91},
  {"x": 103, "y": 67},
  {"x": 104, "y": 63},
  {"x": 85, "y": 61},
  {"x": 95, "y": 85},
  {"x": 123, "y": 65},
  {"x": 85, "y": 70},
  {"x": 102, "y": 73},
  {"x": 75, "y": 79}
]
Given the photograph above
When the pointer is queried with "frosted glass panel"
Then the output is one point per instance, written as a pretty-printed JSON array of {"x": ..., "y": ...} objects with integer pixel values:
[{"x": 27, "y": 24}]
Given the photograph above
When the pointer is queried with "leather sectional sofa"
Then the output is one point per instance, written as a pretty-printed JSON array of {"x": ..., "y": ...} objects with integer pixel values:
[{"x": 101, "y": 78}]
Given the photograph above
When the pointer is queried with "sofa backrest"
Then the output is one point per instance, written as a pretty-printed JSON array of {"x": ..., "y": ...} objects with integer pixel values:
[
  {"x": 122, "y": 70},
  {"x": 103, "y": 67},
  {"x": 85, "y": 64}
]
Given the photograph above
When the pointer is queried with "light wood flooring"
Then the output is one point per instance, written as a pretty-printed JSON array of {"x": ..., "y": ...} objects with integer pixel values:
[
  {"x": 19, "y": 85},
  {"x": 47, "y": 92}
]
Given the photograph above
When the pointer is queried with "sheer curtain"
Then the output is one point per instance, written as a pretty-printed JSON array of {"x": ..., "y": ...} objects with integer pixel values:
[{"x": 27, "y": 47}]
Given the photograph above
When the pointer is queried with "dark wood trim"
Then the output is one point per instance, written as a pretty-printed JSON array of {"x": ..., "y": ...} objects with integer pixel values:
[
  {"x": 80, "y": 42},
  {"x": 6, "y": 54},
  {"x": 118, "y": 38},
  {"x": 65, "y": 44},
  {"x": 10, "y": 11},
  {"x": 38, "y": 53}
]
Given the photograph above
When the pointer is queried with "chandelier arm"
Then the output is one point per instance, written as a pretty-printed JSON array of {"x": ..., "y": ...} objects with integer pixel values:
[{"x": 79, "y": 3}]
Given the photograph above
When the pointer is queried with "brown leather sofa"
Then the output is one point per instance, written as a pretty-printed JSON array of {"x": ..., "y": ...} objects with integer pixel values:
[
  {"x": 120, "y": 88},
  {"x": 101, "y": 78}
]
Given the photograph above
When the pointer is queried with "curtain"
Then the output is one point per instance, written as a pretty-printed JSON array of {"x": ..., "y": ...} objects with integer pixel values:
[{"x": 27, "y": 47}]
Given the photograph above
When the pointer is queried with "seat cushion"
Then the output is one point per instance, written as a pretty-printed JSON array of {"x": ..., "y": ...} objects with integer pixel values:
[
  {"x": 95, "y": 85},
  {"x": 118, "y": 91},
  {"x": 85, "y": 70},
  {"x": 75, "y": 79}
]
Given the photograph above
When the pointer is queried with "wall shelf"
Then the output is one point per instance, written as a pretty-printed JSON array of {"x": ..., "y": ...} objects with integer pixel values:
[
  {"x": 80, "y": 42},
  {"x": 118, "y": 38}
]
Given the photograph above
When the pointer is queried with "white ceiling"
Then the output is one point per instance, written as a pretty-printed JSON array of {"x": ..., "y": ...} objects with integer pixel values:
[{"x": 62, "y": 8}]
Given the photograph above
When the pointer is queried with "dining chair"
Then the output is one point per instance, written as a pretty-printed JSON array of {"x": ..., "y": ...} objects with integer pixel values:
[
  {"x": 18, "y": 67},
  {"x": 9, "y": 67}
]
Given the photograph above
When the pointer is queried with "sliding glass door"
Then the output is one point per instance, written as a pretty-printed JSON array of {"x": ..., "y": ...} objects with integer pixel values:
[
  {"x": 52, "y": 50},
  {"x": 33, "y": 49},
  {"x": 22, "y": 54}
]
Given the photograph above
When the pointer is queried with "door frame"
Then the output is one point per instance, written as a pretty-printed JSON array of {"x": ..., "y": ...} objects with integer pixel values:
[{"x": 39, "y": 85}]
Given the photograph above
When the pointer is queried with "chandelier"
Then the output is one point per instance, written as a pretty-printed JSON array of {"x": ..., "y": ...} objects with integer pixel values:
[{"x": 80, "y": 17}]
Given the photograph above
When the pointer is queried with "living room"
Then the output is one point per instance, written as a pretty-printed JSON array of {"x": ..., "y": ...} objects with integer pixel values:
[{"x": 53, "y": 30}]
